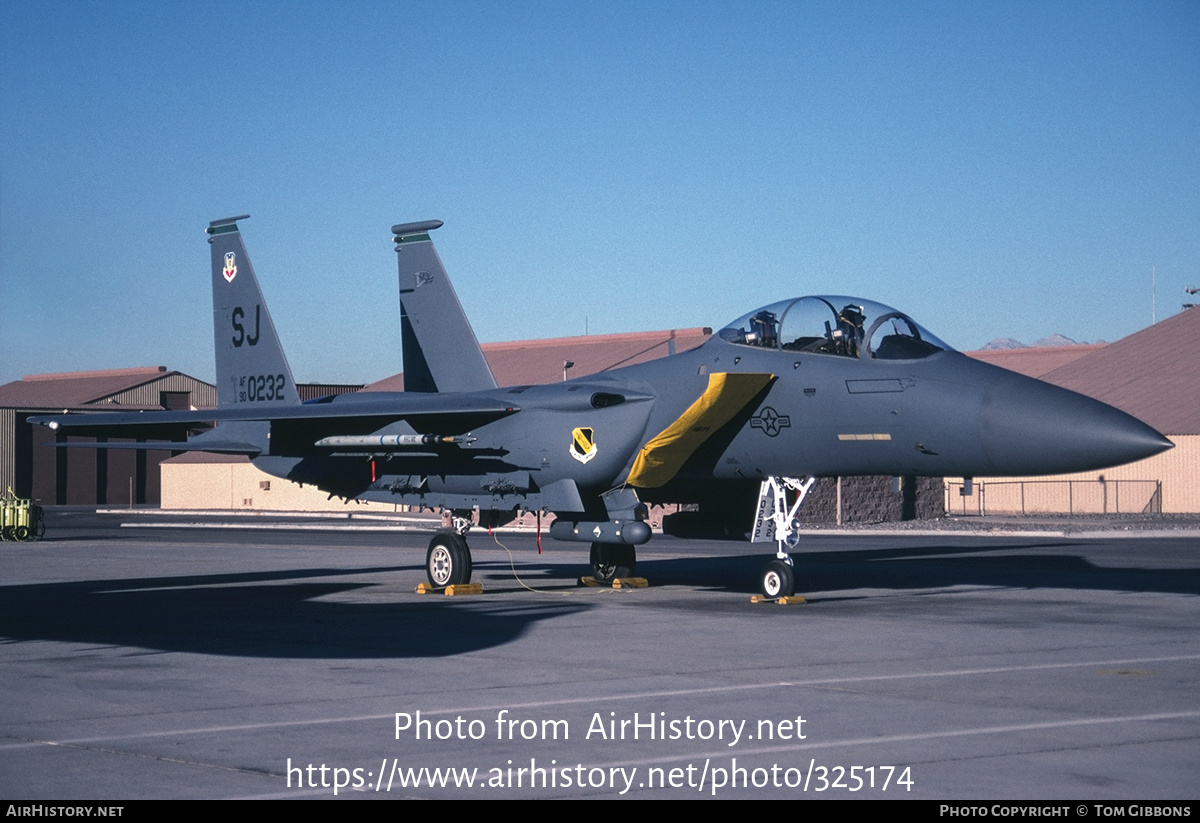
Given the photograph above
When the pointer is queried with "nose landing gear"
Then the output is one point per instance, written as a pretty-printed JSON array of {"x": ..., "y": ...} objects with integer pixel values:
[{"x": 777, "y": 520}]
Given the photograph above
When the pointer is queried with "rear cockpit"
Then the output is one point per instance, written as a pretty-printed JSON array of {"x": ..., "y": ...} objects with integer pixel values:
[{"x": 835, "y": 325}]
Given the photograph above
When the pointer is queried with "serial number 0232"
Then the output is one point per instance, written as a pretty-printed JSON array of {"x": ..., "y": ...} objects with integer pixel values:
[{"x": 256, "y": 387}]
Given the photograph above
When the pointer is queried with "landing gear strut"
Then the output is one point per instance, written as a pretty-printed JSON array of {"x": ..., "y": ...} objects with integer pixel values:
[
  {"x": 778, "y": 520},
  {"x": 613, "y": 560},
  {"x": 448, "y": 561}
]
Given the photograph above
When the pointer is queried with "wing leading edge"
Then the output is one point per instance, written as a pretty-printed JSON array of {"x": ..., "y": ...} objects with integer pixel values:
[{"x": 244, "y": 430}]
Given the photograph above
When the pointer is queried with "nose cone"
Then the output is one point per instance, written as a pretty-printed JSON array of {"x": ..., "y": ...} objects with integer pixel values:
[{"x": 1031, "y": 427}]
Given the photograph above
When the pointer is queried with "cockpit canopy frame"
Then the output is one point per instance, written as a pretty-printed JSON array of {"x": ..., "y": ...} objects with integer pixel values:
[{"x": 834, "y": 325}]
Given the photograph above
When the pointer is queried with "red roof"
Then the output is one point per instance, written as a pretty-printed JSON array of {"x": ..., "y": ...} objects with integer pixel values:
[
  {"x": 71, "y": 390},
  {"x": 1153, "y": 374},
  {"x": 1035, "y": 361},
  {"x": 529, "y": 362}
]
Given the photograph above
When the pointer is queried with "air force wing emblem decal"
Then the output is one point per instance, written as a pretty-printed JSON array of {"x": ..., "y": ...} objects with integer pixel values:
[
  {"x": 230, "y": 270},
  {"x": 583, "y": 445}
]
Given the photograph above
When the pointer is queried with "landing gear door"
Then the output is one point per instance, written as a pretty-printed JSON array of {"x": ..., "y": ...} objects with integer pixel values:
[{"x": 764, "y": 520}]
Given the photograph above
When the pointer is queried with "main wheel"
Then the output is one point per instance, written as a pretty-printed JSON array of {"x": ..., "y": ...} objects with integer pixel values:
[
  {"x": 448, "y": 561},
  {"x": 613, "y": 560},
  {"x": 778, "y": 579}
]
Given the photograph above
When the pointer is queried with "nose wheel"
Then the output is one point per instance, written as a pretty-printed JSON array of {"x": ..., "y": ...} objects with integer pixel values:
[{"x": 778, "y": 579}]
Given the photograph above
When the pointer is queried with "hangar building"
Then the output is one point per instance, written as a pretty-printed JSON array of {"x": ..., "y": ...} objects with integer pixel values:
[{"x": 87, "y": 476}]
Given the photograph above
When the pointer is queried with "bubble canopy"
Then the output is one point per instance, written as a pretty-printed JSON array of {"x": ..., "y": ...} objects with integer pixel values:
[{"x": 834, "y": 325}]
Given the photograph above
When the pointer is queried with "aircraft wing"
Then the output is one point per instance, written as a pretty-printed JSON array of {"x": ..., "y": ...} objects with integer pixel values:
[{"x": 355, "y": 415}]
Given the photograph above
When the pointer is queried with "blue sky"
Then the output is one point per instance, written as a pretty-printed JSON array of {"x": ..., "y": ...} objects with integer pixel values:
[{"x": 994, "y": 169}]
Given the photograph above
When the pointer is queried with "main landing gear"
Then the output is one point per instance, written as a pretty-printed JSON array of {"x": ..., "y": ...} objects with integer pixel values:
[
  {"x": 776, "y": 519},
  {"x": 611, "y": 561},
  {"x": 448, "y": 561}
]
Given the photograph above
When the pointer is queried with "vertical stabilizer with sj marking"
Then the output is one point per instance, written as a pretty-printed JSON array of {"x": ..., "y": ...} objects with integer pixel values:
[
  {"x": 441, "y": 352},
  {"x": 251, "y": 366}
]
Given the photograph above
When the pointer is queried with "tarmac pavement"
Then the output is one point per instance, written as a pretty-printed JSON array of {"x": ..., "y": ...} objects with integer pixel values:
[{"x": 153, "y": 662}]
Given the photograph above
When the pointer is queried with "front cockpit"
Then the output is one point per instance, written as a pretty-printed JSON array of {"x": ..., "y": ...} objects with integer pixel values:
[{"x": 834, "y": 325}]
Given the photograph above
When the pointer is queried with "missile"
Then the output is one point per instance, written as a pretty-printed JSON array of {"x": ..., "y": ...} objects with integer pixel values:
[{"x": 391, "y": 441}]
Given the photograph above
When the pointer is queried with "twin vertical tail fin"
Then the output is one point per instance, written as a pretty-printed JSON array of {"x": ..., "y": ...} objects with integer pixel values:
[
  {"x": 441, "y": 352},
  {"x": 251, "y": 366}
]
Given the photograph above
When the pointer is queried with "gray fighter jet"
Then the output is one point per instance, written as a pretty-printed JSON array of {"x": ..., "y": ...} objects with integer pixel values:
[{"x": 804, "y": 388}]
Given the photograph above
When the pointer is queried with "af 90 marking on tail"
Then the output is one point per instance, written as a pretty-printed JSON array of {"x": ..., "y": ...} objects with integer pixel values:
[{"x": 253, "y": 388}]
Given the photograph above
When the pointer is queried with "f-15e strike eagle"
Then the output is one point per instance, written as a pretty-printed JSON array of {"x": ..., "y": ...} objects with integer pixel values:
[{"x": 804, "y": 388}]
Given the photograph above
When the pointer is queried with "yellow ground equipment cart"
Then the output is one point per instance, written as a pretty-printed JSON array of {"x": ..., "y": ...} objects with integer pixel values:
[{"x": 20, "y": 519}]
